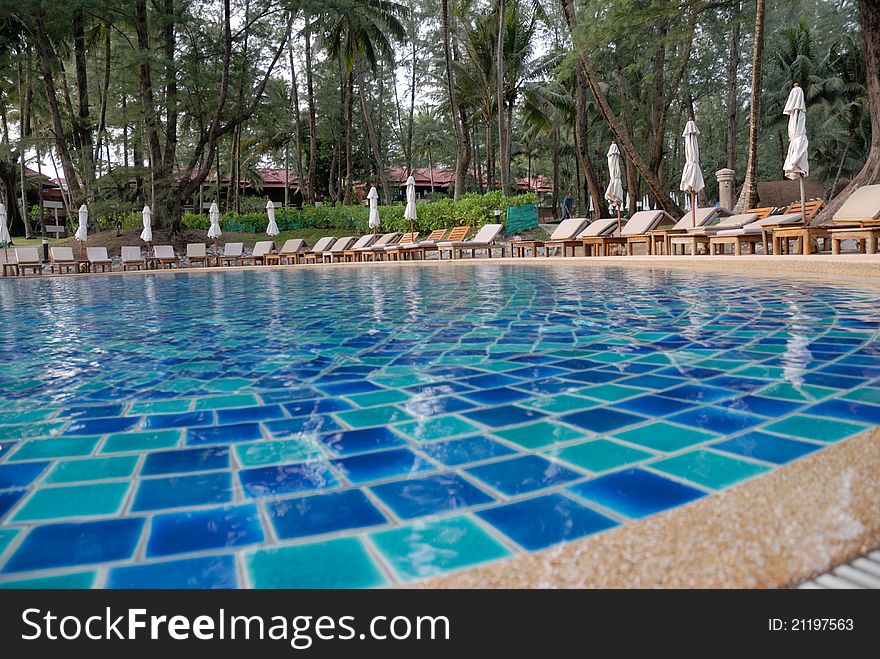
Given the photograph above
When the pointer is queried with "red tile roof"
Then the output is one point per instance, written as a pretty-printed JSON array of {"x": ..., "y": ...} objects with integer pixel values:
[{"x": 422, "y": 176}]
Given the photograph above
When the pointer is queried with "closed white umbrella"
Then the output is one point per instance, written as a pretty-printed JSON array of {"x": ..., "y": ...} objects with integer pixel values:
[
  {"x": 797, "y": 164},
  {"x": 614, "y": 192},
  {"x": 410, "y": 212},
  {"x": 82, "y": 232},
  {"x": 272, "y": 229},
  {"x": 147, "y": 233},
  {"x": 692, "y": 177},
  {"x": 373, "y": 196},
  {"x": 214, "y": 230},
  {"x": 5, "y": 238}
]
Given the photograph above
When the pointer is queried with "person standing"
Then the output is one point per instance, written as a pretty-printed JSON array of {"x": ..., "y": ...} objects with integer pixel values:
[{"x": 567, "y": 206}]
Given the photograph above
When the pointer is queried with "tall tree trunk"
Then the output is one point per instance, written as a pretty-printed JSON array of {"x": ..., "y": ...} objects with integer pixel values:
[
  {"x": 313, "y": 121},
  {"x": 623, "y": 139},
  {"x": 589, "y": 183},
  {"x": 632, "y": 183},
  {"x": 733, "y": 61},
  {"x": 870, "y": 172},
  {"x": 490, "y": 156},
  {"x": 105, "y": 92},
  {"x": 555, "y": 170},
  {"x": 375, "y": 147},
  {"x": 465, "y": 146},
  {"x": 145, "y": 76},
  {"x": 453, "y": 102},
  {"x": 749, "y": 195},
  {"x": 83, "y": 121},
  {"x": 503, "y": 150},
  {"x": 349, "y": 108},
  {"x": 297, "y": 138},
  {"x": 412, "y": 110}
]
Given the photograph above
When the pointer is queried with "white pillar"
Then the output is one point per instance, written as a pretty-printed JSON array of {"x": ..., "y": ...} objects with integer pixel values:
[{"x": 726, "y": 181}]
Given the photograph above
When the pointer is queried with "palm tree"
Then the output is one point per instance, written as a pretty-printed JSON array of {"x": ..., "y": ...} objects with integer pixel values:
[
  {"x": 428, "y": 136},
  {"x": 749, "y": 194}
]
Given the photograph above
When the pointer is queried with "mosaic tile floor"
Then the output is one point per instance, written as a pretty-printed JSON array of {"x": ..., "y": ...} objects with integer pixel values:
[{"x": 361, "y": 427}]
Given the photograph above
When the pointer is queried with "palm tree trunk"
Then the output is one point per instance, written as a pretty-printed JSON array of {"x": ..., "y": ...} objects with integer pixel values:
[
  {"x": 371, "y": 131},
  {"x": 453, "y": 102},
  {"x": 503, "y": 152},
  {"x": 749, "y": 195},
  {"x": 555, "y": 169},
  {"x": 313, "y": 122},
  {"x": 297, "y": 138},
  {"x": 412, "y": 110},
  {"x": 732, "y": 67},
  {"x": 349, "y": 108}
]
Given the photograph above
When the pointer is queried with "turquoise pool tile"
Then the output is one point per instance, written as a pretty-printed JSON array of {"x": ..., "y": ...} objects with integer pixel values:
[
  {"x": 92, "y": 469},
  {"x": 665, "y": 437},
  {"x": 540, "y": 433},
  {"x": 339, "y": 563},
  {"x": 500, "y": 366},
  {"x": 426, "y": 549},
  {"x": 73, "y": 581},
  {"x": 610, "y": 392},
  {"x": 560, "y": 403},
  {"x": 803, "y": 392},
  {"x": 224, "y": 385},
  {"x": 58, "y": 447},
  {"x": 437, "y": 427},
  {"x": 141, "y": 441},
  {"x": 30, "y": 430},
  {"x": 15, "y": 417},
  {"x": 394, "y": 381},
  {"x": 6, "y": 538},
  {"x": 869, "y": 395},
  {"x": 73, "y": 501},
  {"x": 160, "y": 407},
  {"x": 277, "y": 452},
  {"x": 708, "y": 469},
  {"x": 373, "y": 416},
  {"x": 225, "y": 402},
  {"x": 376, "y": 398},
  {"x": 599, "y": 455},
  {"x": 817, "y": 428}
]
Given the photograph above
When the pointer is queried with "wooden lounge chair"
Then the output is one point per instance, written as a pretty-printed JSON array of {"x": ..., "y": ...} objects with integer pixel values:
[
  {"x": 337, "y": 250},
  {"x": 63, "y": 259},
  {"x": 10, "y": 267},
  {"x": 394, "y": 253},
  {"x": 637, "y": 231},
  {"x": 564, "y": 236},
  {"x": 593, "y": 236},
  {"x": 369, "y": 252},
  {"x": 261, "y": 248},
  {"x": 379, "y": 252},
  {"x": 360, "y": 244},
  {"x": 98, "y": 257},
  {"x": 197, "y": 253},
  {"x": 858, "y": 219},
  {"x": 485, "y": 239},
  {"x": 292, "y": 250},
  {"x": 800, "y": 233},
  {"x": 701, "y": 217},
  {"x": 132, "y": 259},
  {"x": 404, "y": 250},
  {"x": 318, "y": 250},
  {"x": 700, "y": 235},
  {"x": 232, "y": 254},
  {"x": 28, "y": 258},
  {"x": 164, "y": 256},
  {"x": 751, "y": 234}
]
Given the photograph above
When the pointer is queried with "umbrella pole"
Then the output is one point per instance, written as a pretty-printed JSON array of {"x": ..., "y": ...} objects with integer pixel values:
[
  {"x": 618, "y": 218},
  {"x": 803, "y": 200},
  {"x": 216, "y": 252},
  {"x": 693, "y": 208}
]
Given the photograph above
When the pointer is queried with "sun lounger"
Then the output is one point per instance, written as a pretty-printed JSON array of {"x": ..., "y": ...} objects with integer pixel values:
[
  {"x": 261, "y": 248},
  {"x": 564, "y": 236},
  {"x": 751, "y": 234},
  {"x": 232, "y": 254},
  {"x": 63, "y": 259},
  {"x": 858, "y": 219},
  {"x": 360, "y": 244},
  {"x": 700, "y": 217},
  {"x": 320, "y": 247},
  {"x": 403, "y": 250},
  {"x": 379, "y": 252},
  {"x": 800, "y": 233},
  {"x": 164, "y": 255},
  {"x": 197, "y": 253},
  {"x": 700, "y": 235},
  {"x": 28, "y": 258},
  {"x": 292, "y": 250},
  {"x": 636, "y": 231},
  {"x": 132, "y": 258},
  {"x": 10, "y": 267},
  {"x": 485, "y": 239},
  {"x": 593, "y": 236},
  {"x": 337, "y": 250},
  {"x": 363, "y": 253},
  {"x": 98, "y": 257}
]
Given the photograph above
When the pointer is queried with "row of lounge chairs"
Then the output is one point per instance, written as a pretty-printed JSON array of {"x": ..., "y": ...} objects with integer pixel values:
[
  {"x": 392, "y": 246},
  {"x": 776, "y": 230}
]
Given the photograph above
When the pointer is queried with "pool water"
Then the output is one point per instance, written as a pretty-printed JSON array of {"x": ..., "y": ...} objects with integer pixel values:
[{"x": 366, "y": 426}]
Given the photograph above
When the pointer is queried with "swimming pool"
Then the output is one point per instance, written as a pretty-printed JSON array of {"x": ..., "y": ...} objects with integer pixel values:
[{"x": 366, "y": 426}]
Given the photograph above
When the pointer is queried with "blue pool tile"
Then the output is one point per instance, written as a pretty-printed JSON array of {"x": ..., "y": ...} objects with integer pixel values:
[
  {"x": 536, "y": 372},
  {"x": 772, "y": 407},
  {"x": 182, "y": 420},
  {"x": 8, "y": 498},
  {"x": 185, "y": 460},
  {"x": 210, "y": 572},
  {"x": 717, "y": 420},
  {"x": 653, "y": 381},
  {"x": 594, "y": 376},
  {"x": 183, "y": 491},
  {"x": 698, "y": 393},
  {"x": 351, "y": 387},
  {"x": 523, "y": 474},
  {"x": 833, "y": 381},
  {"x": 845, "y": 409},
  {"x": 439, "y": 389},
  {"x": 62, "y": 545},
  {"x": 417, "y": 497},
  {"x": 693, "y": 372},
  {"x": 239, "y": 432},
  {"x": 216, "y": 528},
  {"x": 288, "y": 428},
  {"x": 360, "y": 441},
  {"x": 653, "y": 406},
  {"x": 20, "y": 474},
  {"x": 316, "y": 406},
  {"x": 101, "y": 426},
  {"x": 636, "y": 492},
  {"x": 496, "y": 396},
  {"x": 461, "y": 451},
  {"x": 737, "y": 383},
  {"x": 490, "y": 380},
  {"x": 770, "y": 448},
  {"x": 91, "y": 412},
  {"x": 323, "y": 513},
  {"x": 544, "y": 521},
  {"x": 286, "y": 479},
  {"x": 381, "y": 465},
  {"x": 428, "y": 406},
  {"x": 547, "y": 386},
  {"x": 602, "y": 419},
  {"x": 259, "y": 413},
  {"x": 506, "y": 415}
]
